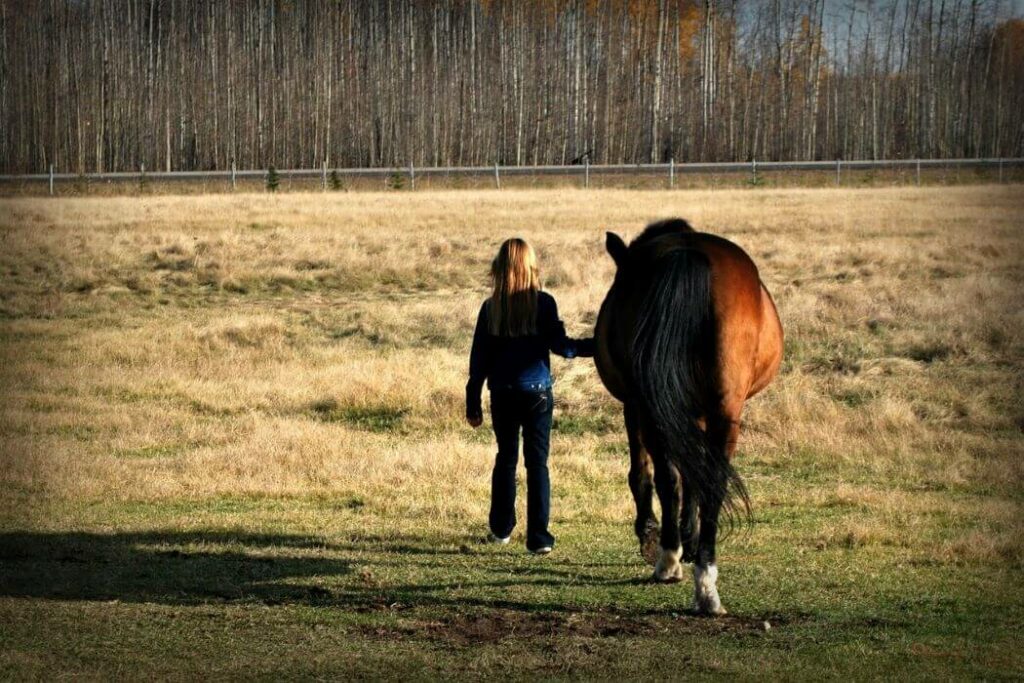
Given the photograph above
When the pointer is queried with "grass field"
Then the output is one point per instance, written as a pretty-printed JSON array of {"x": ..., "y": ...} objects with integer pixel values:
[{"x": 233, "y": 445}]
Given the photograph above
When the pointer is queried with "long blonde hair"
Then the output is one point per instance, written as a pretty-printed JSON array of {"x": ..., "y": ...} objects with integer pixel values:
[{"x": 516, "y": 281}]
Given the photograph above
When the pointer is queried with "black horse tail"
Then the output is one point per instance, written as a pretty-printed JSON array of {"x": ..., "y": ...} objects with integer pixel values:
[{"x": 676, "y": 381}]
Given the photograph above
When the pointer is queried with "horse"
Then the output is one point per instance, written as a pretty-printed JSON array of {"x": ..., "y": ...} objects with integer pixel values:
[{"x": 686, "y": 334}]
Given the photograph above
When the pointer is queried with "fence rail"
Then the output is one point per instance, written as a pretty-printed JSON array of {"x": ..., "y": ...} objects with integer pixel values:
[{"x": 585, "y": 170}]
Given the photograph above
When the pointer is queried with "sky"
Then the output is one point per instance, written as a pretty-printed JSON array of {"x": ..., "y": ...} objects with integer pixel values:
[{"x": 836, "y": 23}]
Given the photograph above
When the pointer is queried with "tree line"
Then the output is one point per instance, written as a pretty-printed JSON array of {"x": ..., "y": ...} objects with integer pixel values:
[{"x": 109, "y": 85}]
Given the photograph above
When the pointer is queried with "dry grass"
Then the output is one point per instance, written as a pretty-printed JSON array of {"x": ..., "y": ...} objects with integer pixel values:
[
  {"x": 167, "y": 348},
  {"x": 208, "y": 329},
  {"x": 261, "y": 306},
  {"x": 195, "y": 346},
  {"x": 166, "y": 361}
]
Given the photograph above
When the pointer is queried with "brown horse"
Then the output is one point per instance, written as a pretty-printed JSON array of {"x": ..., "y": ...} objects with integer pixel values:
[{"x": 686, "y": 335}]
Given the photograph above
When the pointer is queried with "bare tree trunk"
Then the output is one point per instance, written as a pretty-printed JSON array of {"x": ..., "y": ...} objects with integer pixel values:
[
  {"x": 707, "y": 74},
  {"x": 656, "y": 86},
  {"x": 90, "y": 84}
]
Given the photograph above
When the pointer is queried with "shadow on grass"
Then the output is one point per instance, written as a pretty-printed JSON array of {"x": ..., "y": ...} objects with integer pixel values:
[
  {"x": 179, "y": 568},
  {"x": 213, "y": 567}
]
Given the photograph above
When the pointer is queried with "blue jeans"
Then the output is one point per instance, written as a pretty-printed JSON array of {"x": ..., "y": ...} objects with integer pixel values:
[{"x": 529, "y": 411}]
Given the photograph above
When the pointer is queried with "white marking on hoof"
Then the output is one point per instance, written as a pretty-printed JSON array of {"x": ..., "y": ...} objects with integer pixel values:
[
  {"x": 705, "y": 590},
  {"x": 668, "y": 569}
]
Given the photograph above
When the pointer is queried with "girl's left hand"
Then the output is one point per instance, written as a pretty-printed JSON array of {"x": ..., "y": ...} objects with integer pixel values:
[{"x": 475, "y": 422}]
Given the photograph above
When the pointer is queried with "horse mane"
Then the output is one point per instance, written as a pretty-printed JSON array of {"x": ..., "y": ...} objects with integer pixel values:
[{"x": 664, "y": 227}]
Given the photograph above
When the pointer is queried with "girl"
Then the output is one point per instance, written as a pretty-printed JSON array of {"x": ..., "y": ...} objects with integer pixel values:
[{"x": 517, "y": 327}]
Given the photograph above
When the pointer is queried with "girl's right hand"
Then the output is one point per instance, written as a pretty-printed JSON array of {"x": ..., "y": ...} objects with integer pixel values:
[{"x": 475, "y": 422}]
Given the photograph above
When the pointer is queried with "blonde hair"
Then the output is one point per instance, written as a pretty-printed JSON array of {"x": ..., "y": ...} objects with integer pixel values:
[{"x": 516, "y": 281}]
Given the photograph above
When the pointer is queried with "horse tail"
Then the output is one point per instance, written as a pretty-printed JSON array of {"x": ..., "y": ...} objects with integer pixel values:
[{"x": 675, "y": 379}]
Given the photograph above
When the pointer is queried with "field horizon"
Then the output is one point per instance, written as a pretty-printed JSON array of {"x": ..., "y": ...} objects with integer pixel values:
[{"x": 233, "y": 441}]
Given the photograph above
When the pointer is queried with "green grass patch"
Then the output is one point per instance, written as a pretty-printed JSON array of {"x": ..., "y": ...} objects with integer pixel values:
[
  {"x": 370, "y": 418},
  {"x": 158, "y": 450},
  {"x": 854, "y": 398},
  {"x": 578, "y": 424}
]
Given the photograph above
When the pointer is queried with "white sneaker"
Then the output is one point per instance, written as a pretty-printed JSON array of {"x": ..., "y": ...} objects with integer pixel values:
[
  {"x": 491, "y": 538},
  {"x": 543, "y": 550}
]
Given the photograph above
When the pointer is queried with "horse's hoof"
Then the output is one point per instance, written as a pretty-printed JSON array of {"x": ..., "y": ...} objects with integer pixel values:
[
  {"x": 649, "y": 545},
  {"x": 668, "y": 569},
  {"x": 709, "y": 611},
  {"x": 705, "y": 591}
]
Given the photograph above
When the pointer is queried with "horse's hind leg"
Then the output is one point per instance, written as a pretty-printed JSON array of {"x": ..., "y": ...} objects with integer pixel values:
[
  {"x": 723, "y": 433},
  {"x": 688, "y": 529},
  {"x": 667, "y": 482},
  {"x": 705, "y": 571},
  {"x": 641, "y": 483}
]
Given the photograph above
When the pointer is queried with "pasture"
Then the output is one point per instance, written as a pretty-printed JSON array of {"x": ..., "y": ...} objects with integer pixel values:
[{"x": 233, "y": 441}]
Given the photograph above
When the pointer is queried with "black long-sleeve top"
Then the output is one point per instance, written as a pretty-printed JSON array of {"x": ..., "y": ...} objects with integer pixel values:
[{"x": 519, "y": 362}]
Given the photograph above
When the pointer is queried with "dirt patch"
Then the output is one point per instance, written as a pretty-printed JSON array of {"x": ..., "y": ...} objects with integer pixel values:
[{"x": 498, "y": 625}]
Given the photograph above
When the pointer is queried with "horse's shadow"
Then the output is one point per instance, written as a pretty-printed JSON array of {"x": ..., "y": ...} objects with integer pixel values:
[{"x": 191, "y": 568}]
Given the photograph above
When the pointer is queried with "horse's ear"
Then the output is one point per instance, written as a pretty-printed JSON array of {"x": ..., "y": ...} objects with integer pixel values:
[{"x": 616, "y": 247}]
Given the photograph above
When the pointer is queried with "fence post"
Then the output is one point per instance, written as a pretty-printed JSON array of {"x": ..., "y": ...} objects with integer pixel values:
[
  {"x": 838, "y": 163},
  {"x": 497, "y": 178},
  {"x": 323, "y": 175},
  {"x": 919, "y": 172},
  {"x": 233, "y": 169},
  {"x": 1000, "y": 172},
  {"x": 753, "y": 171},
  {"x": 412, "y": 176},
  {"x": 586, "y": 172},
  {"x": 671, "y": 173},
  {"x": 51, "y": 177}
]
